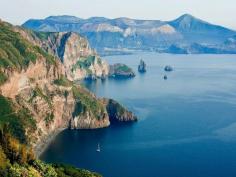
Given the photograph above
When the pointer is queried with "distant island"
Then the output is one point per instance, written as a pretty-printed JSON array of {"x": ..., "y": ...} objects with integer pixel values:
[{"x": 184, "y": 35}]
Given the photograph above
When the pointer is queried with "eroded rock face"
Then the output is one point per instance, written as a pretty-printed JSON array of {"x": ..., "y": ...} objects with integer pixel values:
[
  {"x": 78, "y": 58},
  {"x": 74, "y": 51},
  {"x": 117, "y": 112},
  {"x": 142, "y": 67},
  {"x": 88, "y": 122},
  {"x": 75, "y": 54}
]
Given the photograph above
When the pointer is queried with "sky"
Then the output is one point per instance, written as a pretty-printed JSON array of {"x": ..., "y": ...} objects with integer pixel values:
[{"x": 221, "y": 12}]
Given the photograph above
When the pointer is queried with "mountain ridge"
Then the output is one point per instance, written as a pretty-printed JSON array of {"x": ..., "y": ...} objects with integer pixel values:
[
  {"x": 134, "y": 34},
  {"x": 123, "y": 18}
]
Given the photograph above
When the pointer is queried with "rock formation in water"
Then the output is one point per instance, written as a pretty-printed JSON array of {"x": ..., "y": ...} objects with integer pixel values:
[
  {"x": 165, "y": 77},
  {"x": 168, "y": 68},
  {"x": 121, "y": 71},
  {"x": 37, "y": 92},
  {"x": 117, "y": 112},
  {"x": 142, "y": 67}
]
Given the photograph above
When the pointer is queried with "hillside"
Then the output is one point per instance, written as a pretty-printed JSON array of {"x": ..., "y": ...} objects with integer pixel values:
[
  {"x": 124, "y": 33},
  {"x": 38, "y": 100}
]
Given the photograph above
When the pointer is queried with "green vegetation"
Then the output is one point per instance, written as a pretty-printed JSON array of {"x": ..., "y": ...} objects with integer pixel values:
[
  {"x": 49, "y": 118},
  {"x": 86, "y": 102},
  {"x": 63, "y": 81},
  {"x": 115, "y": 109},
  {"x": 16, "y": 52},
  {"x": 16, "y": 156},
  {"x": 17, "y": 121},
  {"x": 38, "y": 92},
  {"x": 18, "y": 161},
  {"x": 17, "y": 126},
  {"x": 85, "y": 63},
  {"x": 3, "y": 160},
  {"x": 49, "y": 58},
  {"x": 67, "y": 171},
  {"x": 12, "y": 150},
  {"x": 3, "y": 78},
  {"x": 123, "y": 68},
  {"x": 42, "y": 35}
]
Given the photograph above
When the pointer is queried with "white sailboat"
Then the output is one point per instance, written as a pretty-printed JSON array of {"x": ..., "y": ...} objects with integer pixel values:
[{"x": 98, "y": 148}]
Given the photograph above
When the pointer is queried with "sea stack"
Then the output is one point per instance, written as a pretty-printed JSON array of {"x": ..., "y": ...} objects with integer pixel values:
[
  {"x": 168, "y": 68},
  {"x": 142, "y": 67}
]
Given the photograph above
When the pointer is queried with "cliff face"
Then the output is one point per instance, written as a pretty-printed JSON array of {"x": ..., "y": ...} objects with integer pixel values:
[
  {"x": 79, "y": 60},
  {"x": 117, "y": 112},
  {"x": 38, "y": 97},
  {"x": 52, "y": 106},
  {"x": 37, "y": 85},
  {"x": 42, "y": 89}
]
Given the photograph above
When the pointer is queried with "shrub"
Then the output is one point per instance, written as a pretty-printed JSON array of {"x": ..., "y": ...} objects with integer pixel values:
[
  {"x": 63, "y": 81},
  {"x": 3, "y": 78},
  {"x": 86, "y": 102}
]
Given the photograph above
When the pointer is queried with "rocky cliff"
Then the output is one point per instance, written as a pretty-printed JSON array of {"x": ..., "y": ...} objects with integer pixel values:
[
  {"x": 117, "y": 112},
  {"x": 40, "y": 88},
  {"x": 35, "y": 88},
  {"x": 74, "y": 51}
]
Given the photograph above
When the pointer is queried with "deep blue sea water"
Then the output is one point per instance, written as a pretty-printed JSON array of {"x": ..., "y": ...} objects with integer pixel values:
[{"x": 186, "y": 127}]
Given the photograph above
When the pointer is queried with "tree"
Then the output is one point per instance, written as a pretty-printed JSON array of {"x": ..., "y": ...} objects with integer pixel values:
[
  {"x": 23, "y": 156},
  {"x": 3, "y": 159}
]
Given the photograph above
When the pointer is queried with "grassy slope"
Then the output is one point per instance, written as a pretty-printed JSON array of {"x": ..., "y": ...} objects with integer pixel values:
[{"x": 16, "y": 52}]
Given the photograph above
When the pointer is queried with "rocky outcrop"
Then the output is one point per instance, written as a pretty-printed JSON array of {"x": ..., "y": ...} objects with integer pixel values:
[
  {"x": 168, "y": 68},
  {"x": 117, "y": 112},
  {"x": 142, "y": 67},
  {"x": 74, "y": 51},
  {"x": 78, "y": 58},
  {"x": 89, "y": 112},
  {"x": 121, "y": 71}
]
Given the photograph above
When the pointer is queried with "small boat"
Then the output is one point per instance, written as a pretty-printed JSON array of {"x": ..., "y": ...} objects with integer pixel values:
[{"x": 98, "y": 148}]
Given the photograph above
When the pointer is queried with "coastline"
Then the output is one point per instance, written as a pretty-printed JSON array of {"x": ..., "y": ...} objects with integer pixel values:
[{"x": 43, "y": 145}]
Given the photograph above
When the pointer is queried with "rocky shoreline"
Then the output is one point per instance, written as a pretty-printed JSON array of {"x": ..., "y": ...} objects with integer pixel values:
[
  {"x": 43, "y": 145},
  {"x": 116, "y": 113},
  {"x": 43, "y": 89}
]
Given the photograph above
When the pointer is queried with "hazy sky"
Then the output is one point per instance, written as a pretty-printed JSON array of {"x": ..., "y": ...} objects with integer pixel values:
[{"x": 221, "y": 12}]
